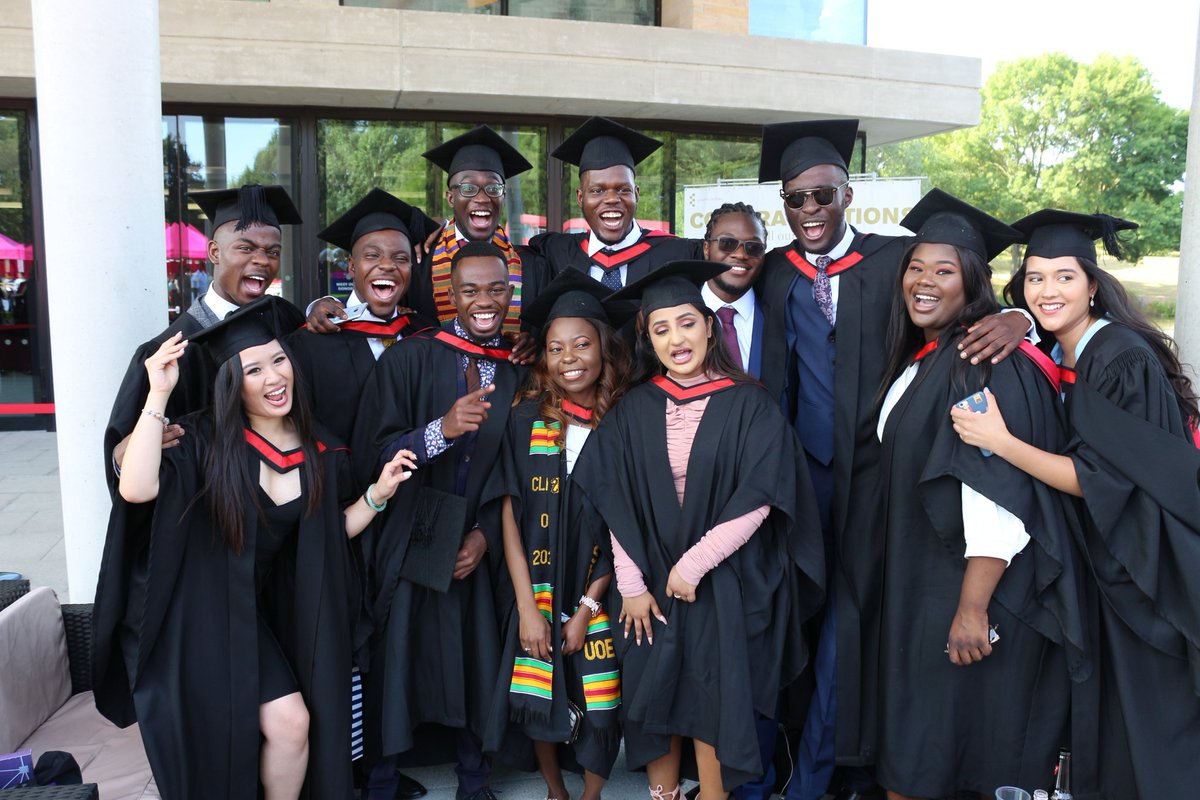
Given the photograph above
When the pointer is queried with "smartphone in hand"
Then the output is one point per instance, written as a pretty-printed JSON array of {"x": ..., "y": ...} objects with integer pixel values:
[{"x": 978, "y": 403}]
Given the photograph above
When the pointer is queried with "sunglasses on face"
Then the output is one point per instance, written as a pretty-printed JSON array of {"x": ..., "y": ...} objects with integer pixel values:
[
  {"x": 472, "y": 189},
  {"x": 824, "y": 195},
  {"x": 728, "y": 244}
]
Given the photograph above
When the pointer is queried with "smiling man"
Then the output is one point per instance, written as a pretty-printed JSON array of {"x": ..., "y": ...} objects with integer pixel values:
[
  {"x": 616, "y": 250},
  {"x": 244, "y": 251},
  {"x": 447, "y": 393}
]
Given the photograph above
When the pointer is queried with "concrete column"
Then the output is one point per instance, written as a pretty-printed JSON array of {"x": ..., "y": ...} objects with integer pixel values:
[
  {"x": 1187, "y": 306},
  {"x": 99, "y": 107}
]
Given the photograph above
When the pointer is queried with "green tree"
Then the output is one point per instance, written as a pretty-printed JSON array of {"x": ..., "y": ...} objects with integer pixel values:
[{"x": 1058, "y": 133}]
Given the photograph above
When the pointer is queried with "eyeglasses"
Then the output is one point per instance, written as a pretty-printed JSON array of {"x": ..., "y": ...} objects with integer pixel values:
[
  {"x": 822, "y": 194},
  {"x": 472, "y": 189},
  {"x": 728, "y": 244}
]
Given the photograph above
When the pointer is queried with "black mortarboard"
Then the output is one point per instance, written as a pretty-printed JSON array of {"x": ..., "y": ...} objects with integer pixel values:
[
  {"x": 258, "y": 322},
  {"x": 480, "y": 148},
  {"x": 378, "y": 211},
  {"x": 574, "y": 294},
  {"x": 941, "y": 218},
  {"x": 600, "y": 143},
  {"x": 250, "y": 204},
  {"x": 1051, "y": 233},
  {"x": 672, "y": 284},
  {"x": 789, "y": 148}
]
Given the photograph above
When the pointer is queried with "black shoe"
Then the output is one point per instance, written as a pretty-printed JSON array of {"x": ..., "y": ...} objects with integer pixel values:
[
  {"x": 408, "y": 788},
  {"x": 692, "y": 793},
  {"x": 485, "y": 793}
]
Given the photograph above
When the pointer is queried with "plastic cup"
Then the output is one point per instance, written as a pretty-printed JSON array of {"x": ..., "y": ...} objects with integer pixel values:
[{"x": 1012, "y": 793}]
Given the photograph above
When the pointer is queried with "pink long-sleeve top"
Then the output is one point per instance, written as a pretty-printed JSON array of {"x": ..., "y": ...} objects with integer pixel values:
[{"x": 721, "y": 540}]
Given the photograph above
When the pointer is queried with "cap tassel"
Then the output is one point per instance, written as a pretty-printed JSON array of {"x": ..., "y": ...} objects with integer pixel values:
[
  {"x": 252, "y": 206},
  {"x": 1109, "y": 226}
]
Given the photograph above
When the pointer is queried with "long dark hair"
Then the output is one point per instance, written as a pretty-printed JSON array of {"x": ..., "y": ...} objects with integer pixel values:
[
  {"x": 230, "y": 472},
  {"x": 904, "y": 338},
  {"x": 1112, "y": 301},
  {"x": 613, "y": 380},
  {"x": 717, "y": 360}
]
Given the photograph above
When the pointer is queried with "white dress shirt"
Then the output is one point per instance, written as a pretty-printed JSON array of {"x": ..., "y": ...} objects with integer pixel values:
[
  {"x": 221, "y": 307},
  {"x": 595, "y": 245},
  {"x": 837, "y": 251},
  {"x": 743, "y": 317}
]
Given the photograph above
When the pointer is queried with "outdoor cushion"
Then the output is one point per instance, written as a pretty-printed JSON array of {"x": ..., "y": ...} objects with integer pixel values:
[{"x": 35, "y": 678}]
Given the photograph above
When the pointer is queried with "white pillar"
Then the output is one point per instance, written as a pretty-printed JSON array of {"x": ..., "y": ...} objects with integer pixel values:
[
  {"x": 99, "y": 112},
  {"x": 1187, "y": 305}
]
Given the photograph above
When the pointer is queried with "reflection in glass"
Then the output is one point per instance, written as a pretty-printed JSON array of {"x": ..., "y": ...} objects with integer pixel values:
[
  {"x": 841, "y": 21},
  {"x": 459, "y": 6},
  {"x": 20, "y": 328},
  {"x": 217, "y": 152},
  {"x": 355, "y": 156},
  {"x": 630, "y": 12}
]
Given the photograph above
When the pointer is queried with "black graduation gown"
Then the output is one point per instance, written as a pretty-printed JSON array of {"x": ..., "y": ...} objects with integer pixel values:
[
  {"x": 337, "y": 366},
  {"x": 192, "y": 392},
  {"x": 1140, "y": 475},
  {"x": 435, "y": 655},
  {"x": 578, "y": 553},
  {"x": 175, "y": 631},
  {"x": 548, "y": 254},
  {"x": 864, "y": 303},
  {"x": 719, "y": 660},
  {"x": 944, "y": 728}
]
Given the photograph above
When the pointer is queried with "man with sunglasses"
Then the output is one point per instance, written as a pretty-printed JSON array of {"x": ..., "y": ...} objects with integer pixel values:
[
  {"x": 615, "y": 250},
  {"x": 736, "y": 236},
  {"x": 826, "y": 298}
]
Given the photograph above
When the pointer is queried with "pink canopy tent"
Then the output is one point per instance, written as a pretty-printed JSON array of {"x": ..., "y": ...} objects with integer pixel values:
[
  {"x": 13, "y": 257},
  {"x": 185, "y": 243}
]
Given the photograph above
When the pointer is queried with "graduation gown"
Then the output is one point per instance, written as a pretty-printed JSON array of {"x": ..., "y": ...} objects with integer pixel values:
[
  {"x": 337, "y": 366},
  {"x": 534, "y": 474},
  {"x": 551, "y": 253},
  {"x": 945, "y": 728},
  {"x": 192, "y": 392},
  {"x": 724, "y": 657},
  {"x": 175, "y": 631},
  {"x": 839, "y": 439},
  {"x": 1140, "y": 472},
  {"x": 435, "y": 656}
]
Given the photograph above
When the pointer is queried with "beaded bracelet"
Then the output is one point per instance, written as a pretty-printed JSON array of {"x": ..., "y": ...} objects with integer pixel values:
[
  {"x": 371, "y": 504},
  {"x": 593, "y": 605},
  {"x": 157, "y": 415}
]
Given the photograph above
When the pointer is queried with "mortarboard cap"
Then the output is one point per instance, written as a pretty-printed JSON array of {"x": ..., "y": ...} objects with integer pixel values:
[
  {"x": 574, "y": 294},
  {"x": 480, "y": 148},
  {"x": 600, "y": 143},
  {"x": 378, "y": 211},
  {"x": 789, "y": 148},
  {"x": 1051, "y": 233},
  {"x": 249, "y": 205},
  {"x": 258, "y": 322},
  {"x": 673, "y": 284},
  {"x": 941, "y": 218}
]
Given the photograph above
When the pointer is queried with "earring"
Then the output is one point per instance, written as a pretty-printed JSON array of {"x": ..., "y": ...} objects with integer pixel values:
[{"x": 1092, "y": 301}]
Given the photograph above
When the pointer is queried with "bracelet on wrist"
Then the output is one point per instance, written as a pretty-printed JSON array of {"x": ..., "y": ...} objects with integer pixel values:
[
  {"x": 371, "y": 504},
  {"x": 592, "y": 605},
  {"x": 158, "y": 415}
]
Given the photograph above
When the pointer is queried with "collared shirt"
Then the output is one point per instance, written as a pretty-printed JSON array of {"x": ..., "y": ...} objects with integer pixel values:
[
  {"x": 837, "y": 251},
  {"x": 743, "y": 316},
  {"x": 436, "y": 442},
  {"x": 357, "y": 309},
  {"x": 595, "y": 245},
  {"x": 221, "y": 307}
]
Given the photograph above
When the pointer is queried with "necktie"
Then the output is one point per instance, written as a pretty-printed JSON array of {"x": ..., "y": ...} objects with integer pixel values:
[
  {"x": 472, "y": 375},
  {"x": 729, "y": 334},
  {"x": 823, "y": 289},
  {"x": 612, "y": 275}
]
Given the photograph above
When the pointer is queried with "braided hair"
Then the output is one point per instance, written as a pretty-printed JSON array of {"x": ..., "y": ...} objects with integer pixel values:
[{"x": 735, "y": 208}]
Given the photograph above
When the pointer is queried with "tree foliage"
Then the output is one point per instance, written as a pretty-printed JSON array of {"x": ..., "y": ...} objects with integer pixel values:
[{"x": 1057, "y": 133}]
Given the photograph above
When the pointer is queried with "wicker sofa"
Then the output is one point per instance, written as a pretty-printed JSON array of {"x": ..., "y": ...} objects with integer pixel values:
[{"x": 46, "y": 700}]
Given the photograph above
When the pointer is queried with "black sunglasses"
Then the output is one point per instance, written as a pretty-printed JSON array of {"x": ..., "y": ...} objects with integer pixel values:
[
  {"x": 728, "y": 244},
  {"x": 822, "y": 194}
]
